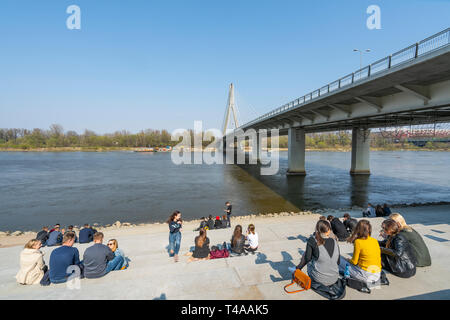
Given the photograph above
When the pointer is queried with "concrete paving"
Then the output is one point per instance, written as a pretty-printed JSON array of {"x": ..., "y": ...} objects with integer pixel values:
[{"x": 153, "y": 275}]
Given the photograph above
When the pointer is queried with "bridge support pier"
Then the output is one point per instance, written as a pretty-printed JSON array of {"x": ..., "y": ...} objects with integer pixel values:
[
  {"x": 296, "y": 152},
  {"x": 257, "y": 153},
  {"x": 360, "y": 152}
]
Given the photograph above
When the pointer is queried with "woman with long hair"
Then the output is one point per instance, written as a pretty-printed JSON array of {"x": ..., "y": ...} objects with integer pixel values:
[
  {"x": 201, "y": 251},
  {"x": 32, "y": 265},
  {"x": 419, "y": 247},
  {"x": 114, "y": 246},
  {"x": 365, "y": 264},
  {"x": 397, "y": 255},
  {"x": 253, "y": 240},
  {"x": 322, "y": 256},
  {"x": 237, "y": 241},
  {"x": 175, "y": 228}
]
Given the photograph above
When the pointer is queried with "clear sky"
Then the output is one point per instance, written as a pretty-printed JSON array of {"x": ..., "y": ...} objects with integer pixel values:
[{"x": 163, "y": 64}]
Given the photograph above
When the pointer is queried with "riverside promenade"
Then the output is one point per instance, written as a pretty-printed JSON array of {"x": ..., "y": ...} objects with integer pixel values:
[{"x": 153, "y": 275}]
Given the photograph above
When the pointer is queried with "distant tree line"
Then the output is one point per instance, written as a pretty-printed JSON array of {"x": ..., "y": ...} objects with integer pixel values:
[{"x": 56, "y": 137}]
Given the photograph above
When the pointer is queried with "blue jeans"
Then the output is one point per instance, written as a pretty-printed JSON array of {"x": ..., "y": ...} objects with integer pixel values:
[
  {"x": 174, "y": 242},
  {"x": 357, "y": 273},
  {"x": 114, "y": 264}
]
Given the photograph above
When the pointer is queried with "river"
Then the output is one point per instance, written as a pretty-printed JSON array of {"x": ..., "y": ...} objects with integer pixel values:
[{"x": 102, "y": 187}]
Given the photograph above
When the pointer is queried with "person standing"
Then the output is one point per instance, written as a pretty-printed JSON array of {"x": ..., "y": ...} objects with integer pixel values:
[
  {"x": 175, "y": 228},
  {"x": 228, "y": 208}
]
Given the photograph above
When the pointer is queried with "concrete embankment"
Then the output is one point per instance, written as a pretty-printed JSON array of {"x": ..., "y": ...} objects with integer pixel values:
[{"x": 153, "y": 275}]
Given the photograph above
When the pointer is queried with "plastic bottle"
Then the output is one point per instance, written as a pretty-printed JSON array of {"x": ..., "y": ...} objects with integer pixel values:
[{"x": 347, "y": 272}]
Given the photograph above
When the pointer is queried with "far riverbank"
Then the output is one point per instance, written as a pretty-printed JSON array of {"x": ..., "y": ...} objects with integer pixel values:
[{"x": 128, "y": 149}]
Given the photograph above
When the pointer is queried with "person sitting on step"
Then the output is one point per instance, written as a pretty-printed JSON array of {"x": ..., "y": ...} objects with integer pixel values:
[
  {"x": 253, "y": 240},
  {"x": 201, "y": 251},
  {"x": 237, "y": 241},
  {"x": 98, "y": 259}
]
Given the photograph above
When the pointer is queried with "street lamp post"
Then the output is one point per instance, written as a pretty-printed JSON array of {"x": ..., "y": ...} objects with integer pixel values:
[{"x": 360, "y": 56}]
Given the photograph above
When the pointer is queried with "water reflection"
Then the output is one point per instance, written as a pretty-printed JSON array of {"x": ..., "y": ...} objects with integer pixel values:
[{"x": 359, "y": 190}]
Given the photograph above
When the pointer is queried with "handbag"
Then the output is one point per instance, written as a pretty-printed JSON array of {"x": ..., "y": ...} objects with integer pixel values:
[{"x": 301, "y": 279}]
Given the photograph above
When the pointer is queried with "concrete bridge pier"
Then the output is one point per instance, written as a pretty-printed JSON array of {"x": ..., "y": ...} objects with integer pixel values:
[
  {"x": 360, "y": 151},
  {"x": 296, "y": 152},
  {"x": 256, "y": 154}
]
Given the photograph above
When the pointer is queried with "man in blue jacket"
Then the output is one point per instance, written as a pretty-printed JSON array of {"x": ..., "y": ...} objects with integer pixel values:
[
  {"x": 55, "y": 238},
  {"x": 63, "y": 257},
  {"x": 86, "y": 234}
]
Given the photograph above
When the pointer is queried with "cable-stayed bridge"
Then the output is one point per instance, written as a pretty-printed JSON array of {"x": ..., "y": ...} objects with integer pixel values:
[{"x": 408, "y": 88}]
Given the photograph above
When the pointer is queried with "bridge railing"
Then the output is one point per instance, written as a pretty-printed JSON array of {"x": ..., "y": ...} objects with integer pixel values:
[{"x": 410, "y": 53}]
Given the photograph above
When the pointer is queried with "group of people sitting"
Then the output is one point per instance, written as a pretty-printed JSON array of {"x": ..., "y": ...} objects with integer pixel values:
[
  {"x": 210, "y": 223},
  {"x": 217, "y": 223},
  {"x": 400, "y": 252},
  {"x": 98, "y": 260},
  {"x": 54, "y": 237},
  {"x": 237, "y": 246},
  {"x": 377, "y": 211}
]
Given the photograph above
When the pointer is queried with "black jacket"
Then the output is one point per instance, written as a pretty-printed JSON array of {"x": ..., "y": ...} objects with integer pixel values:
[
  {"x": 339, "y": 229},
  {"x": 399, "y": 258},
  {"x": 201, "y": 252},
  {"x": 86, "y": 235},
  {"x": 42, "y": 236},
  {"x": 350, "y": 224}
]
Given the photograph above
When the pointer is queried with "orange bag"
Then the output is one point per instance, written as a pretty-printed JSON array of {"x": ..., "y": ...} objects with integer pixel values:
[{"x": 300, "y": 278}]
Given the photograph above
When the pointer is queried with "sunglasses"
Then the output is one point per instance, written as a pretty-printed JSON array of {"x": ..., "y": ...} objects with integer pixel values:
[{"x": 110, "y": 244}]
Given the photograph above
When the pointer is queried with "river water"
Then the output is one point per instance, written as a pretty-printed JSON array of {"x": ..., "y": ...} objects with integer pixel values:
[{"x": 74, "y": 188}]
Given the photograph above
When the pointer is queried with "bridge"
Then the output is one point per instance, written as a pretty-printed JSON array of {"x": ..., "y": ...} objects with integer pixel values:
[{"x": 409, "y": 87}]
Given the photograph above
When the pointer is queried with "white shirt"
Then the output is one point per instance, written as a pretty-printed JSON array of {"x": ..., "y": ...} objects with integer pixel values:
[{"x": 253, "y": 240}]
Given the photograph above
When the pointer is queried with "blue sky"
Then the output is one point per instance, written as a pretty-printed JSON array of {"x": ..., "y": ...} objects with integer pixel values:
[{"x": 163, "y": 64}]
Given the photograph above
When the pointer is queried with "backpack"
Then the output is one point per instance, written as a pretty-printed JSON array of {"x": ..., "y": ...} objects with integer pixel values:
[{"x": 217, "y": 254}]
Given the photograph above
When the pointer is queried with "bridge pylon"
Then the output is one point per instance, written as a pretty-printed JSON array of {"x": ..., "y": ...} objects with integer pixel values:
[{"x": 231, "y": 108}]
